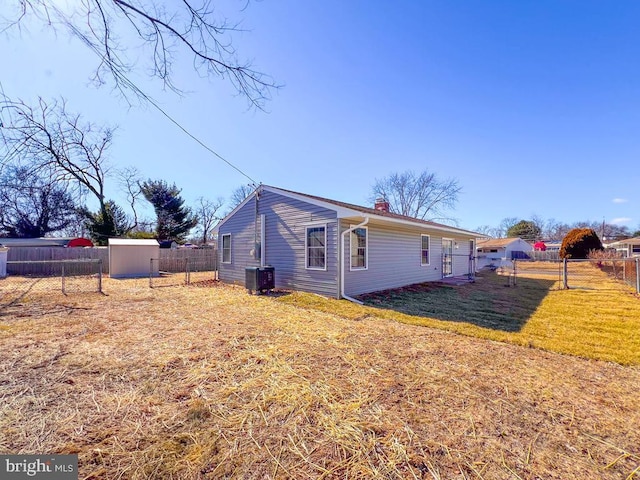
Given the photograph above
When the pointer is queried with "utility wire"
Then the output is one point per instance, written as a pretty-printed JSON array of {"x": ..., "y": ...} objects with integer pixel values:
[{"x": 123, "y": 79}]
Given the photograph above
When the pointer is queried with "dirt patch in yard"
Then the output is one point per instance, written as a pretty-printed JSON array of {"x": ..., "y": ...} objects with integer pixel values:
[{"x": 197, "y": 383}]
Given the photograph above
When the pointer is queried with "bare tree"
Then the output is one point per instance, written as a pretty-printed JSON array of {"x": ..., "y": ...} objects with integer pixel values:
[
  {"x": 555, "y": 230},
  {"x": 488, "y": 231},
  {"x": 239, "y": 194},
  {"x": 32, "y": 205},
  {"x": 422, "y": 196},
  {"x": 207, "y": 212},
  {"x": 505, "y": 225},
  {"x": 47, "y": 137},
  {"x": 130, "y": 180},
  {"x": 164, "y": 29}
]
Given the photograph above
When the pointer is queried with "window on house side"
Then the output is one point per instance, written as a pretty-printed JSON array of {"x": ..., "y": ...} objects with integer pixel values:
[
  {"x": 316, "y": 248},
  {"x": 226, "y": 248},
  {"x": 426, "y": 240},
  {"x": 359, "y": 248}
]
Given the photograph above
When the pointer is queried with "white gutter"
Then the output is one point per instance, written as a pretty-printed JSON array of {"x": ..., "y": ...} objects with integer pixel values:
[{"x": 342, "y": 262}]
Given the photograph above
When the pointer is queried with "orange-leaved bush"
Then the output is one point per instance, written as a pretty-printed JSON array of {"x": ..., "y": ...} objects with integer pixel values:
[{"x": 579, "y": 242}]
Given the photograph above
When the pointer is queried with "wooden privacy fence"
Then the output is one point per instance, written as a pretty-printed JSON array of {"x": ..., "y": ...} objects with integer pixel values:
[
  {"x": 44, "y": 255},
  {"x": 200, "y": 259}
]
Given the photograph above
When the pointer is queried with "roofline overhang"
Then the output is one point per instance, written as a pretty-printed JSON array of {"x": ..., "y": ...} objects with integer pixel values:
[{"x": 344, "y": 212}]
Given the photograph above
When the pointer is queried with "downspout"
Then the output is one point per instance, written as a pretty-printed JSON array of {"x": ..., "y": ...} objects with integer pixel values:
[
  {"x": 256, "y": 251},
  {"x": 342, "y": 262},
  {"x": 263, "y": 239}
]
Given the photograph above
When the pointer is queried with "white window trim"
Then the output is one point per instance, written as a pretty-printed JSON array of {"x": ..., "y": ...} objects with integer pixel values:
[
  {"x": 366, "y": 250},
  {"x": 428, "y": 250},
  {"x": 222, "y": 249},
  {"x": 306, "y": 247}
]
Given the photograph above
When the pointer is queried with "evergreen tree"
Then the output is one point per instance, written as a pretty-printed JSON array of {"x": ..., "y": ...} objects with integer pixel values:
[
  {"x": 109, "y": 221},
  {"x": 526, "y": 230},
  {"x": 173, "y": 219}
]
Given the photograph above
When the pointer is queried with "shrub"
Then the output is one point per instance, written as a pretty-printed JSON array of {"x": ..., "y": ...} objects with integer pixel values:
[{"x": 579, "y": 242}]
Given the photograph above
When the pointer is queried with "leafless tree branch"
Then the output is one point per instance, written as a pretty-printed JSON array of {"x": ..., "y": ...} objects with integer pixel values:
[
  {"x": 208, "y": 215},
  {"x": 182, "y": 26},
  {"x": 49, "y": 138},
  {"x": 422, "y": 196}
]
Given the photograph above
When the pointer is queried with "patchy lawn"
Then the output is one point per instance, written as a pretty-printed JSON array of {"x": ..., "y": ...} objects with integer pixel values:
[
  {"x": 598, "y": 323},
  {"x": 196, "y": 383}
]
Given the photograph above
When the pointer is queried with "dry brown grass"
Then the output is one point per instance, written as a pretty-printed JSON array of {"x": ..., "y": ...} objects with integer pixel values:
[{"x": 187, "y": 382}]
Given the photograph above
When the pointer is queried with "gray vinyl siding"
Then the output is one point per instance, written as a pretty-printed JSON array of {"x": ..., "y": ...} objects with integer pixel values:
[
  {"x": 242, "y": 230},
  {"x": 394, "y": 259},
  {"x": 286, "y": 220}
]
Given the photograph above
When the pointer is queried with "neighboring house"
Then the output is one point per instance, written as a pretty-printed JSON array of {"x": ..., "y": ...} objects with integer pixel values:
[
  {"x": 553, "y": 246},
  {"x": 493, "y": 251},
  {"x": 47, "y": 242},
  {"x": 36, "y": 242},
  {"x": 337, "y": 249},
  {"x": 629, "y": 247}
]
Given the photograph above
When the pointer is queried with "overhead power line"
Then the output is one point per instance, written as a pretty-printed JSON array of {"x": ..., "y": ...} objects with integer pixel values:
[{"x": 121, "y": 78}]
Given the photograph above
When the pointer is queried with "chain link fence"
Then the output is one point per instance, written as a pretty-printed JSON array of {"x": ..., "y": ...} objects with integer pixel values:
[
  {"x": 66, "y": 276},
  {"x": 589, "y": 274},
  {"x": 168, "y": 272}
]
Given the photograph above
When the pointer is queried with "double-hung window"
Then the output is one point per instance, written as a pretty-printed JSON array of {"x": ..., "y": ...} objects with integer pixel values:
[
  {"x": 226, "y": 248},
  {"x": 316, "y": 248},
  {"x": 359, "y": 249},
  {"x": 424, "y": 249}
]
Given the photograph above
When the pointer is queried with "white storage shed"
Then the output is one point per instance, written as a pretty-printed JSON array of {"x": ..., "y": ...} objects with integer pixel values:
[
  {"x": 131, "y": 258},
  {"x": 3, "y": 261}
]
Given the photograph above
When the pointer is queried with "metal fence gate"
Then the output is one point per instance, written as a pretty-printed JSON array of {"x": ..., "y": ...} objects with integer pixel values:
[
  {"x": 589, "y": 274},
  {"x": 69, "y": 276},
  {"x": 167, "y": 272}
]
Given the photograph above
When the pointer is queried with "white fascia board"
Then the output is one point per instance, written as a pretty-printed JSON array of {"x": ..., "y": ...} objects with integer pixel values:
[{"x": 424, "y": 226}]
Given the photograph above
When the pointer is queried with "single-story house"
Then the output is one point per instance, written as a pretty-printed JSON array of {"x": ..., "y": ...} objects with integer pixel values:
[
  {"x": 553, "y": 246},
  {"x": 629, "y": 247},
  {"x": 493, "y": 251},
  {"x": 337, "y": 249}
]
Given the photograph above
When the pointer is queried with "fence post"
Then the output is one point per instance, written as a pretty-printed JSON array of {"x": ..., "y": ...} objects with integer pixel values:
[
  {"x": 150, "y": 272},
  {"x": 637, "y": 275},
  {"x": 63, "y": 278},
  {"x": 99, "y": 275},
  {"x": 187, "y": 271},
  {"x": 565, "y": 282}
]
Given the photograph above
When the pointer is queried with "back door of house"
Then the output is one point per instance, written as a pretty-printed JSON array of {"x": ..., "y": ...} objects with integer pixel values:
[{"x": 447, "y": 257}]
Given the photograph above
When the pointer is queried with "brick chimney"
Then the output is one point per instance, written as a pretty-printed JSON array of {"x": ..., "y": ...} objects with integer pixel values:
[{"x": 381, "y": 205}]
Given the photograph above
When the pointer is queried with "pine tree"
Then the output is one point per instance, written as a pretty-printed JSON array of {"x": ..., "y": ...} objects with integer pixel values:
[{"x": 173, "y": 219}]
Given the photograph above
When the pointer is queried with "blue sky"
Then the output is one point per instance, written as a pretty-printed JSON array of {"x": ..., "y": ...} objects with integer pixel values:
[{"x": 533, "y": 106}]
